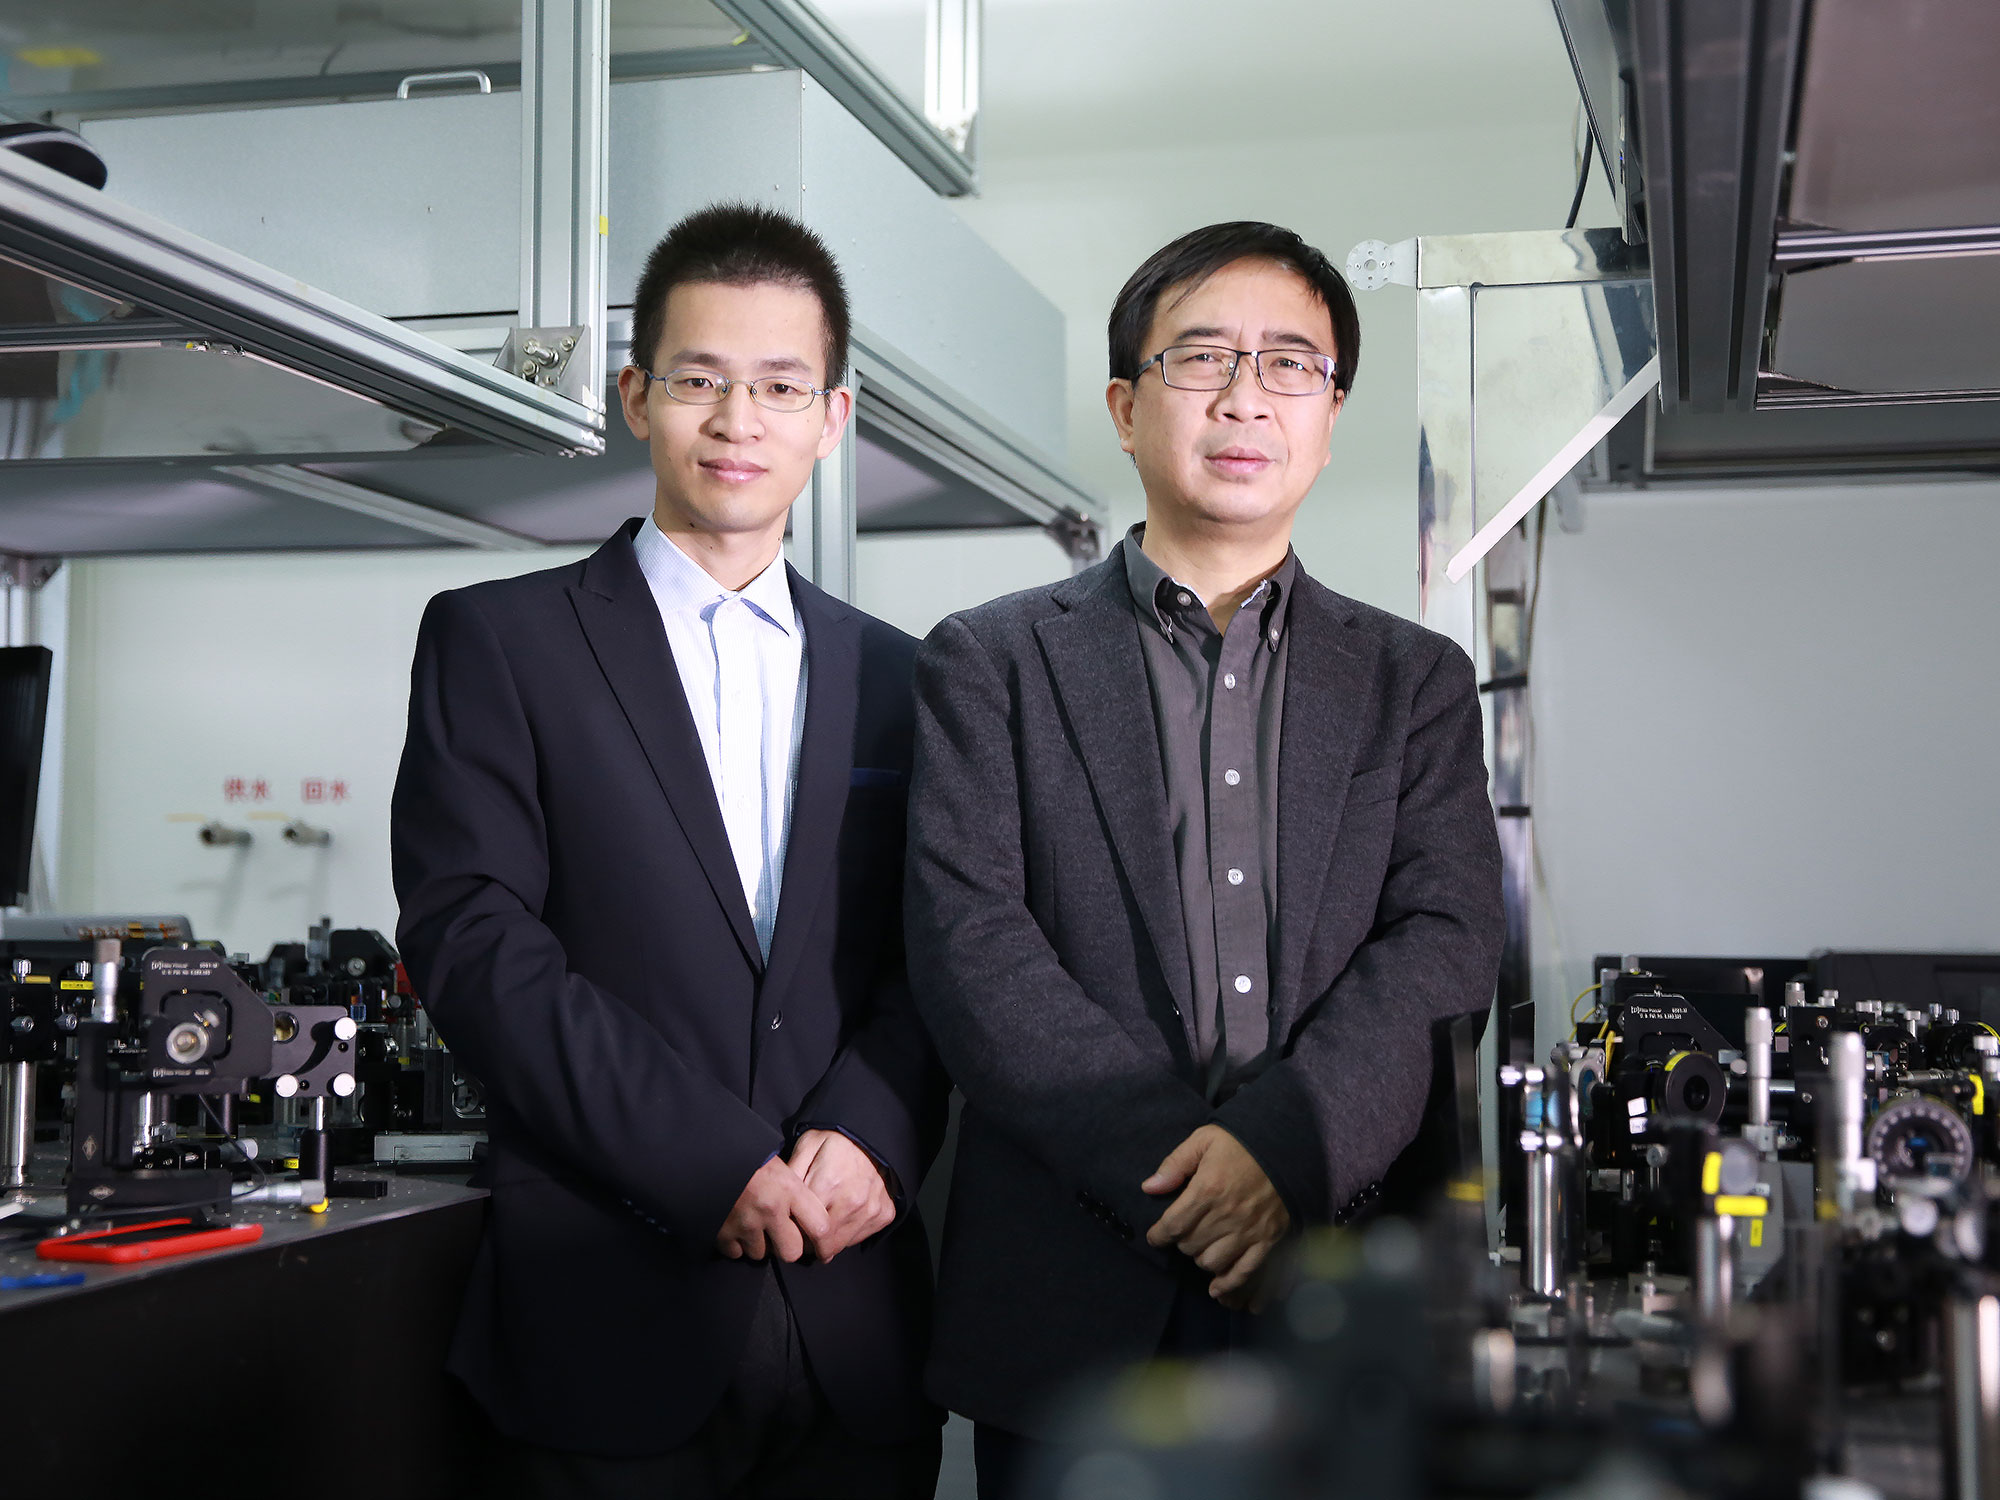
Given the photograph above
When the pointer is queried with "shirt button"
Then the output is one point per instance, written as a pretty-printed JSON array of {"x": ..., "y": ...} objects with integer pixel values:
[
  {"x": 1236, "y": 877},
  {"x": 777, "y": 1020},
  {"x": 1229, "y": 679},
  {"x": 1231, "y": 777},
  {"x": 1242, "y": 984}
]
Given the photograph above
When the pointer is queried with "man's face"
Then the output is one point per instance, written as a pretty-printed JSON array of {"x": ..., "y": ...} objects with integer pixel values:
[
  {"x": 1240, "y": 456},
  {"x": 736, "y": 466}
]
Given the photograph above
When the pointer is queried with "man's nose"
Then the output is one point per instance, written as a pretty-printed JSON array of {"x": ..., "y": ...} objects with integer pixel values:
[
  {"x": 1244, "y": 397},
  {"x": 735, "y": 415}
]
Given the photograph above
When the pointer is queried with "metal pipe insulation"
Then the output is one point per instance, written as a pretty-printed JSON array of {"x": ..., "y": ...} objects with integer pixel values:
[
  {"x": 1971, "y": 1406},
  {"x": 1758, "y": 1039},
  {"x": 17, "y": 1123},
  {"x": 1844, "y": 1171},
  {"x": 1714, "y": 1266},
  {"x": 104, "y": 976}
]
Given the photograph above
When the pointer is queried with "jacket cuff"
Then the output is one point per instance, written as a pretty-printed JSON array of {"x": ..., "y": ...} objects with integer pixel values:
[
  {"x": 890, "y": 1179},
  {"x": 1274, "y": 1119}
]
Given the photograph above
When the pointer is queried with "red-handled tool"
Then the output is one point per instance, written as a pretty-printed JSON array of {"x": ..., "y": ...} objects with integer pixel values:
[{"x": 157, "y": 1239}]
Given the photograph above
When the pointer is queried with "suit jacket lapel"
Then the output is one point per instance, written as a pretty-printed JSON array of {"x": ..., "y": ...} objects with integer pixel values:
[
  {"x": 826, "y": 766},
  {"x": 1328, "y": 677},
  {"x": 1093, "y": 654},
  {"x": 615, "y": 606}
]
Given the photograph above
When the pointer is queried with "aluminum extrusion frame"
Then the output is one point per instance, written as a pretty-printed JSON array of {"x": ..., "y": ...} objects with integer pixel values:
[{"x": 65, "y": 230}]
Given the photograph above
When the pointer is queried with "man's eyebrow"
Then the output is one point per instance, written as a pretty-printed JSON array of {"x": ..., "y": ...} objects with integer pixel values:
[
  {"x": 1285, "y": 338},
  {"x": 1274, "y": 338},
  {"x": 777, "y": 364}
]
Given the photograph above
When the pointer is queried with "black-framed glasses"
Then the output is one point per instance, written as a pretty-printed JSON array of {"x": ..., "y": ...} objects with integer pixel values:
[
  {"x": 706, "y": 388},
  {"x": 1211, "y": 367}
]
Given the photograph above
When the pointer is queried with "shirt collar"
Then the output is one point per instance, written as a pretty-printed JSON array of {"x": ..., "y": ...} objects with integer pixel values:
[
  {"x": 683, "y": 586},
  {"x": 1157, "y": 595}
]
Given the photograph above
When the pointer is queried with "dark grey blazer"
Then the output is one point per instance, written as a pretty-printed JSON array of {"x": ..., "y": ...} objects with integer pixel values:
[{"x": 1047, "y": 956}]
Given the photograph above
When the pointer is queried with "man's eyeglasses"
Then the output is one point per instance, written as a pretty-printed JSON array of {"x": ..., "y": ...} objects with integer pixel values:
[
  {"x": 1210, "y": 367},
  {"x": 705, "y": 388}
]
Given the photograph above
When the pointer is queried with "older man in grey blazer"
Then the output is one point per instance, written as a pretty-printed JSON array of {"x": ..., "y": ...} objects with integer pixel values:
[{"x": 1199, "y": 852}]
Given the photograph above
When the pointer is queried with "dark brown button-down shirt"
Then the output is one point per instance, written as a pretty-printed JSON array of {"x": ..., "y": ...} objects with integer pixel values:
[{"x": 1218, "y": 702}]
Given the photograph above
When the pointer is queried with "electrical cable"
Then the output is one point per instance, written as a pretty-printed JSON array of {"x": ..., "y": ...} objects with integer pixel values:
[{"x": 1582, "y": 180}]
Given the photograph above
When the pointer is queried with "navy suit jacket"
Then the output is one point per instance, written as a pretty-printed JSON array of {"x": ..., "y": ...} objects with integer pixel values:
[{"x": 573, "y": 920}]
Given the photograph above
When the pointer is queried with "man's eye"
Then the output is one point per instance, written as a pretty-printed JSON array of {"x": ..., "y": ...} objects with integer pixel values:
[
  {"x": 782, "y": 388},
  {"x": 1290, "y": 362},
  {"x": 1201, "y": 357},
  {"x": 694, "y": 382}
]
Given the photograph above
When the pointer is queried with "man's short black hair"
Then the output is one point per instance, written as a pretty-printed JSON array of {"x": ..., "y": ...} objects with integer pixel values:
[
  {"x": 1193, "y": 258},
  {"x": 740, "y": 244}
]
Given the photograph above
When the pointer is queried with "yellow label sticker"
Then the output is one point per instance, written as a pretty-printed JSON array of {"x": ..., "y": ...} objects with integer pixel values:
[
  {"x": 1711, "y": 1172},
  {"x": 1756, "y": 1233},
  {"x": 603, "y": 224},
  {"x": 78, "y": 984},
  {"x": 1741, "y": 1206},
  {"x": 35, "y": 978},
  {"x": 59, "y": 57}
]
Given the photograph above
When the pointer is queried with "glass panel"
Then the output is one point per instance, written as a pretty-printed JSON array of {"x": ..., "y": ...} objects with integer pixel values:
[
  {"x": 181, "y": 402},
  {"x": 1546, "y": 359},
  {"x": 29, "y": 299}
]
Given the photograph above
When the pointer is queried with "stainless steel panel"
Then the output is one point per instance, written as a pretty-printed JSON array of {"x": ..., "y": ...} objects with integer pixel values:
[
  {"x": 929, "y": 284},
  {"x": 1530, "y": 257},
  {"x": 1898, "y": 117},
  {"x": 1893, "y": 326},
  {"x": 407, "y": 207},
  {"x": 681, "y": 144},
  {"x": 932, "y": 287}
]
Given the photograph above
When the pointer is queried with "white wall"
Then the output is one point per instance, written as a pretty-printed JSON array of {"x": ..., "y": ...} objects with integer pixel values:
[
  {"x": 185, "y": 673},
  {"x": 1768, "y": 721}
]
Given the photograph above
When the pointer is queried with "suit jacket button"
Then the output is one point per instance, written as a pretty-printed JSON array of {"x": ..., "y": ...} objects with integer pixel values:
[{"x": 777, "y": 1020}]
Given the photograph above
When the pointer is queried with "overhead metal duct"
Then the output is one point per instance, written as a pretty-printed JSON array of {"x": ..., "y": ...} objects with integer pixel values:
[{"x": 1818, "y": 188}]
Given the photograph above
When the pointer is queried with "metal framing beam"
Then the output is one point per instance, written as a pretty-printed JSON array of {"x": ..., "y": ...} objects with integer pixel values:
[
  {"x": 565, "y": 161},
  {"x": 1716, "y": 79},
  {"x": 1798, "y": 248},
  {"x": 802, "y": 38},
  {"x": 682, "y": 62}
]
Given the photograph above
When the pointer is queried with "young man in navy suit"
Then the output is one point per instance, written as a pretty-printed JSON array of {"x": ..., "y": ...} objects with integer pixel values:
[{"x": 648, "y": 842}]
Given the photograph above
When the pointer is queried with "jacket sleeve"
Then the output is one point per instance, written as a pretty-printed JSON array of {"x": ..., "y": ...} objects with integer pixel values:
[
  {"x": 1320, "y": 1120},
  {"x": 885, "y": 1090},
  {"x": 1030, "y": 1050},
  {"x": 593, "y": 1084}
]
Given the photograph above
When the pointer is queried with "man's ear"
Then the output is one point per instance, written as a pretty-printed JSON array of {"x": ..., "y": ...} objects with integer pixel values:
[
  {"x": 1118, "y": 398},
  {"x": 839, "y": 409},
  {"x": 632, "y": 402}
]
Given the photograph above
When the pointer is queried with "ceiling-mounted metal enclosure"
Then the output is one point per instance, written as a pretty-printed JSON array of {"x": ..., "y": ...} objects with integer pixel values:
[{"x": 1818, "y": 188}]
